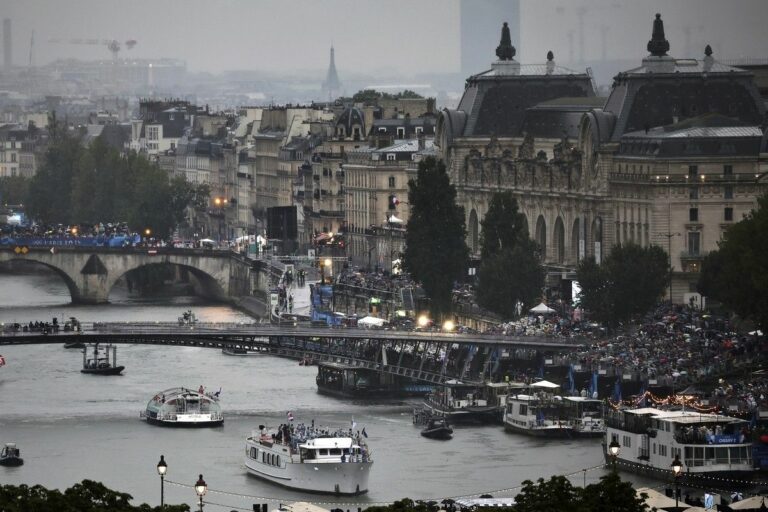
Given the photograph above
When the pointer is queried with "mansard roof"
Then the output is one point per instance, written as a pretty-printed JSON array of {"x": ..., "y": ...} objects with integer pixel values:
[
  {"x": 664, "y": 89},
  {"x": 495, "y": 101}
]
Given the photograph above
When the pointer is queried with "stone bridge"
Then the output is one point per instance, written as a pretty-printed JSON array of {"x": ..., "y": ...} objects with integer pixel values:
[{"x": 91, "y": 272}]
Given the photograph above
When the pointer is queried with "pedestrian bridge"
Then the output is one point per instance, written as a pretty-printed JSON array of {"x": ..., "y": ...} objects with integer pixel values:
[
  {"x": 91, "y": 272},
  {"x": 425, "y": 356}
]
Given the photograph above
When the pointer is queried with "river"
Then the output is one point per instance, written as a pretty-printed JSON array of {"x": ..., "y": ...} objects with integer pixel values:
[{"x": 70, "y": 426}]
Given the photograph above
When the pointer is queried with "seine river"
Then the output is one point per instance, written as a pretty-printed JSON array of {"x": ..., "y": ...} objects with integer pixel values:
[{"x": 70, "y": 426}]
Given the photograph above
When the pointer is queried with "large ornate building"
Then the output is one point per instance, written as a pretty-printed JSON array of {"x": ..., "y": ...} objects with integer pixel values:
[{"x": 673, "y": 156}]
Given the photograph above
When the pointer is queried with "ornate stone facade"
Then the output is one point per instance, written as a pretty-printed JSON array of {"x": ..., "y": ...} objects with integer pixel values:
[{"x": 674, "y": 155}]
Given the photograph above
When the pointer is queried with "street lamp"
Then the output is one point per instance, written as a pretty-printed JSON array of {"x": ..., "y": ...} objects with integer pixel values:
[
  {"x": 613, "y": 451},
  {"x": 422, "y": 321},
  {"x": 448, "y": 326},
  {"x": 147, "y": 232},
  {"x": 201, "y": 488},
  {"x": 162, "y": 468},
  {"x": 677, "y": 468}
]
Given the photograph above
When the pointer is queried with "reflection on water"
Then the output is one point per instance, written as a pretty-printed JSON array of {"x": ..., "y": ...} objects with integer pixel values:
[{"x": 43, "y": 295}]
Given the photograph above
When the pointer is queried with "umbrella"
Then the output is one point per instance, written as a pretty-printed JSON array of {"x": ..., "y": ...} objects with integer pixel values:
[
  {"x": 207, "y": 241},
  {"x": 656, "y": 499},
  {"x": 753, "y": 503}
]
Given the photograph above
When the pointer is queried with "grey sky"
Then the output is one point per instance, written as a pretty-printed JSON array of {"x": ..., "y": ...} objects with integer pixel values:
[{"x": 406, "y": 36}]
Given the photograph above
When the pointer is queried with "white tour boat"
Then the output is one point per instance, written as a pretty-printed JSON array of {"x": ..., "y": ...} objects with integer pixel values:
[
  {"x": 710, "y": 446},
  {"x": 310, "y": 459},
  {"x": 538, "y": 411},
  {"x": 182, "y": 407},
  {"x": 585, "y": 415}
]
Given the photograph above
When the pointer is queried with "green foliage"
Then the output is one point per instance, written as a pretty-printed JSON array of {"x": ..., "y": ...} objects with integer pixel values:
[
  {"x": 14, "y": 190},
  {"x": 79, "y": 185},
  {"x": 613, "y": 494},
  {"x": 629, "y": 282},
  {"x": 510, "y": 276},
  {"x": 87, "y": 496},
  {"x": 371, "y": 96},
  {"x": 510, "y": 270},
  {"x": 554, "y": 495},
  {"x": 435, "y": 251},
  {"x": 737, "y": 273}
]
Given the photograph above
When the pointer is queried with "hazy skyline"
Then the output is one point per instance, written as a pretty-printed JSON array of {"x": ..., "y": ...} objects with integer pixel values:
[{"x": 402, "y": 36}]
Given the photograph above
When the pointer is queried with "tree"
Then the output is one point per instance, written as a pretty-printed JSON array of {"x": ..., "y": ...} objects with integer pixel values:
[
  {"x": 736, "y": 273},
  {"x": 629, "y": 282},
  {"x": 87, "y": 496},
  {"x": 554, "y": 495},
  {"x": 14, "y": 190},
  {"x": 368, "y": 96},
  {"x": 510, "y": 270},
  {"x": 612, "y": 494},
  {"x": 436, "y": 253}
]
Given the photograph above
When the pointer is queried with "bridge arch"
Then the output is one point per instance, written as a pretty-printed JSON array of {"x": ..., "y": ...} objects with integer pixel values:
[
  {"x": 208, "y": 285},
  {"x": 90, "y": 274},
  {"x": 70, "y": 284},
  {"x": 541, "y": 236}
]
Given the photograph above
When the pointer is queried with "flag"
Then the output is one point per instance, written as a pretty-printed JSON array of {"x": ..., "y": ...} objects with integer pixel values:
[
  {"x": 290, "y": 416},
  {"x": 571, "y": 383},
  {"x": 365, "y": 434},
  {"x": 2, "y": 361},
  {"x": 617, "y": 390},
  {"x": 354, "y": 424}
]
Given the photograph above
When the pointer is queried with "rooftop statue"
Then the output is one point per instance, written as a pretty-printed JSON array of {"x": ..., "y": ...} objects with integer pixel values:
[
  {"x": 658, "y": 46},
  {"x": 505, "y": 50}
]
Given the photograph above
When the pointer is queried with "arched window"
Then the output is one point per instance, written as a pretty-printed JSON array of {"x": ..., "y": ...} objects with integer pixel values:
[
  {"x": 559, "y": 241},
  {"x": 541, "y": 236},
  {"x": 473, "y": 232},
  {"x": 575, "y": 237}
]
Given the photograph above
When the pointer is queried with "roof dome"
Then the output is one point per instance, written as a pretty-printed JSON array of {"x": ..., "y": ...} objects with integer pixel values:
[{"x": 350, "y": 117}]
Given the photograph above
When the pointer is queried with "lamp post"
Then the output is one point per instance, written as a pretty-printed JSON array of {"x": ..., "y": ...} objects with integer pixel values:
[
  {"x": 162, "y": 467},
  {"x": 613, "y": 451},
  {"x": 201, "y": 488},
  {"x": 677, "y": 468}
]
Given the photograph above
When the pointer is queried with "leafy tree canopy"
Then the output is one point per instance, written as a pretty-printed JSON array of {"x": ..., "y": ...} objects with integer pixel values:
[
  {"x": 510, "y": 270},
  {"x": 14, "y": 190},
  {"x": 737, "y": 273},
  {"x": 87, "y": 496},
  {"x": 87, "y": 185},
  {"x": 436, "y": 253},
  {"x": 629, "y": 282},
  {"x": 372, "y": 95},
  {"x": 503, "y": 226}
]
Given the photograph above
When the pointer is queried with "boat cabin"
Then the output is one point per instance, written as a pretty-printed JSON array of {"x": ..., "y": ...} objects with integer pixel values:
[
  {"x": 10, "y": 450},
  {"x": 330, "y": 450}
]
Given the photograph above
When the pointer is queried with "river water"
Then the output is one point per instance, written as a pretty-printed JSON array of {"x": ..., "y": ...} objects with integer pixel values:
[{"x": 70, "y": 426}]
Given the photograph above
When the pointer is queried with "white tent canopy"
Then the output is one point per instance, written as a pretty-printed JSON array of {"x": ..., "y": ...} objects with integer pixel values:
[
  {"x": 371, "y": 321},
  {"x": 656, "y": 499},
  {"x": 544, "y": 384},
  {"x": 394, "y": 220},
  {"x": 207, "y": 241},
  {"x": 541, "y": 309}
]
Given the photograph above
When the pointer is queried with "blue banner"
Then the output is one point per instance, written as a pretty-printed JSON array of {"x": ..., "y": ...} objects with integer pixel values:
[{"x": 726, "y": 439}]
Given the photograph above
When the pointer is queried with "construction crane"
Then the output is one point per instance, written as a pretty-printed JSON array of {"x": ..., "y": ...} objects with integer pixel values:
[{"x": 113, "y": 45}]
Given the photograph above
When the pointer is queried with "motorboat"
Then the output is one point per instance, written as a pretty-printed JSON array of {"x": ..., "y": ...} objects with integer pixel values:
[
  {"x": 187, "y": 318},
  {"x": 437, "y": 428},
  {"x": 10, "y": 455},
  {"x": 100, "y": 362},
  {"x": 241, "y": 351},
  {"x": 712, "y": 447},
  {"x": 183, "y": 407},
  {"x": 310, "y": 459}
]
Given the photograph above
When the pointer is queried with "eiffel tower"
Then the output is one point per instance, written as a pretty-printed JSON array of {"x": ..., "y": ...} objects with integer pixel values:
[{"x": 331, "y": 85}]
